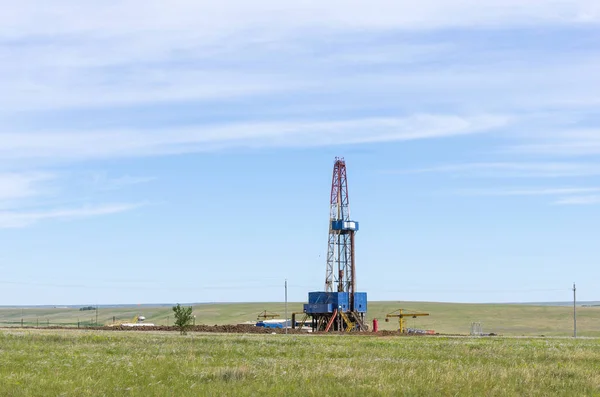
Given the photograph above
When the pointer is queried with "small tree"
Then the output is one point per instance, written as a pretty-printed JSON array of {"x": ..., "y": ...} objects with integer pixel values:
[{"x": 183, "y": 318}]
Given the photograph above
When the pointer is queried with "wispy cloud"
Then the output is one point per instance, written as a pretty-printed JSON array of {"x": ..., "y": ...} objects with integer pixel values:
[
  {"x": 71, "y": 146},
  {"x": 127, "y": 53},
  {"x": 561, "y": 195},
  {"x": 210, "y": 19},
  {"x": 27, "y": 198},
  {"x": 538, "y": 191},
  {"x": 564, "y": 143},
  {"x": 14, "y": 186},
  {"x": 511, "y": 170},
  {"x": 102, "y": 182},
  {"x": 579, "y": 200},
  {"x": 17, "y": 219},
  {"x": 290, "y": 77}
]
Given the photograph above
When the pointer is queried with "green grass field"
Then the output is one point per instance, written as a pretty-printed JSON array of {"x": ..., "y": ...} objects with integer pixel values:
[
  {"x": 448, "y": 318},
  {"x": 105, "y": 363}
]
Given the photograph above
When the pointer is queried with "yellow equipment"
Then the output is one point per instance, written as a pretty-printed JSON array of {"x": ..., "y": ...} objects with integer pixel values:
[
  {"x": 266, "y": 315},
  {"x": 302, "y": 322},
  {"x": 402, "y": 314}
]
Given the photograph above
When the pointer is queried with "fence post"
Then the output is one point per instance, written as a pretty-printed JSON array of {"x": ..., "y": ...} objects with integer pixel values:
[
  {"x": 21, "y": 322},
  {"x": 48, "y": 322},
  {"x": 37, "y": 323}
]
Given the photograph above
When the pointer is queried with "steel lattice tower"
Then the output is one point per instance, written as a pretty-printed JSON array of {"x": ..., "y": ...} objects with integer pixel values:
[
  {"x": 340, "y": 274},
  {"x": 340, "y": 308}
]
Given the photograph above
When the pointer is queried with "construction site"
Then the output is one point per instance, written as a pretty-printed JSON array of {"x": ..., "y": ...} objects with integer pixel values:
[{"x": 340, "y": 307}]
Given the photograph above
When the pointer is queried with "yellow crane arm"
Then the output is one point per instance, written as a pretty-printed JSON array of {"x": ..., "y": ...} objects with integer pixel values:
[
  {"x": 401, "y": 315},
  {"x": 266, "y": 315},
  {"x": 408, "y": 315}
]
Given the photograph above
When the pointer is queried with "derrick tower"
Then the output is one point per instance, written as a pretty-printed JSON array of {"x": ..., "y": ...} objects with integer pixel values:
[
  {"x": 341, "y": 265},
  {"x": 339, "y": 308}
]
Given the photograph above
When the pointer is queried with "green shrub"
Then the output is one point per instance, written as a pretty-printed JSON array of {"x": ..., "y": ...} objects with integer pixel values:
[{"x": 183, "y": 318}]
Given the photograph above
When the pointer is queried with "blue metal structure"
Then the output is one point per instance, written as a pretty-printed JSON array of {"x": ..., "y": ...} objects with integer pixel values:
[
  {"x": 360, "y": 302},
  {"x": 327, "y": 302},
  {"x": 274, "y": 324}
]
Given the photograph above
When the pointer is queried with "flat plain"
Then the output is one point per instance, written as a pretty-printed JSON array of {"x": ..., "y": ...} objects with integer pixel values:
[
  {"x": 447, "y": 318},
  {"x": 106, "y": 363}
]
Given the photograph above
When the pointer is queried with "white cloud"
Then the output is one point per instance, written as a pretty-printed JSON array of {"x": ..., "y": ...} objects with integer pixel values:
[
  {"x": 83, "y": 88},
  {"x": 71, "y": 146},
  {"x": 579, "y": 200},
  {"x": 566, "y": 195},
  {"x": 19, "y": 219},
  {"x": 113, "y": 56},
  {"x": 102, "y": 182},
  {"x": 126, "y": 16},
  {"x": 538, "y": 191},
  {"x": 564, "y": 143},
  {"x": 78, "y": 54},
  {"x": 511, "y": 170},
  {"x": 89, "y": 73},
  {"x": 27, "y": 198},
  {"x": 14, "y": 186}
]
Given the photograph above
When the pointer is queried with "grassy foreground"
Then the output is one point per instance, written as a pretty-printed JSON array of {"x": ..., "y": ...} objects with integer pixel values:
[
  {"x": 95, "y": 363},
  {"x": 450, "y": 318}
]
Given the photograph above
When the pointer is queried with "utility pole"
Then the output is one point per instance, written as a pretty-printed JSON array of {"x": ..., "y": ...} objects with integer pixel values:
[
  {"x": 96, "y": 315},
  {"x": 286, "y": 312},
  {"x": 574, "y": 311}
]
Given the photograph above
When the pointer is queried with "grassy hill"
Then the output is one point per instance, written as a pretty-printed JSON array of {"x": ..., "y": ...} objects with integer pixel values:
[{"x": 505, "y": 319}]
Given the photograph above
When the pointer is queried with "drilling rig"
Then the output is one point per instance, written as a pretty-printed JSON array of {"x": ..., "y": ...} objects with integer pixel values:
[{"x": 339, "y": 308}]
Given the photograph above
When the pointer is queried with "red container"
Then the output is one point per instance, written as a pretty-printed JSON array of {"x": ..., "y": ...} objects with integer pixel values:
[{"x": 375, "y": 325}]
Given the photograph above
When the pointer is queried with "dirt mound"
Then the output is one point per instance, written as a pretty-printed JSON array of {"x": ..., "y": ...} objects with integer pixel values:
[
  {"x": 224, "y": 329},
  {"x": 239, "y": 329}
]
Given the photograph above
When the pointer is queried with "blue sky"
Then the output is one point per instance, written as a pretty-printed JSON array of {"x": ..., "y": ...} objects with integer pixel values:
[{"x": 183, "y": 153}]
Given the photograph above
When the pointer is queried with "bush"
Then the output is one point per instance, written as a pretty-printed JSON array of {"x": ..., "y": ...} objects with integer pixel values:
[{"x": 183, "y": 318}]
